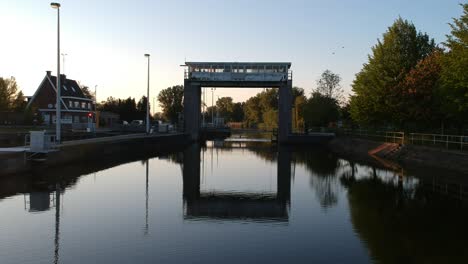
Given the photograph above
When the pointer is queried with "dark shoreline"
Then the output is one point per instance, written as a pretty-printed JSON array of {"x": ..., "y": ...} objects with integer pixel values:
[
  {"x": 111, "y": 151},
  {"x": 409, "y": 157}
]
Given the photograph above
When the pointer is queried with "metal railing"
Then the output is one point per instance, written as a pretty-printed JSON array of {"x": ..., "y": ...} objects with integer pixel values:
[
  {"x": 387, "y": 136},
  {"x": 447, "y": 141},
  {"x": 262, "y": 75}
]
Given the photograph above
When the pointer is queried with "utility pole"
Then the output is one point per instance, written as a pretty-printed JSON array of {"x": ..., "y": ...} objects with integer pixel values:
[
  {"x": 212, "y": 105},
  {"x": 147, "y": 97},
  {"x": 58, "y": 117},
  {"x": 63, "y": 61}
]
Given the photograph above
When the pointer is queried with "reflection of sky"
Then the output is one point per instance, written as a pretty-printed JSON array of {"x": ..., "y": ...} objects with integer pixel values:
[{"x": 239, "y": 171}]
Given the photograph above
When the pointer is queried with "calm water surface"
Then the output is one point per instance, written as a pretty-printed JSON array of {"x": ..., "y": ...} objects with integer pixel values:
[{"x": 233, "y": 202}]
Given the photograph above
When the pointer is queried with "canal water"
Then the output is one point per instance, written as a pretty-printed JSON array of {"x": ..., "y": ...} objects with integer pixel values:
[{"x": 233, "y": 202}]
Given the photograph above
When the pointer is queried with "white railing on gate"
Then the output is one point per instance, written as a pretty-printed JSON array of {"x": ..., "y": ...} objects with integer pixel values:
[{"x": 440, "y": 139}]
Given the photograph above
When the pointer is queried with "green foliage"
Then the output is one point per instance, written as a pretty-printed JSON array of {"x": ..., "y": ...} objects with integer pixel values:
[
  {"x": 225, "y": 108},
  {"x": 321, "y": 110},
  {"x": 376, "y": 98},
  {"x": 454, "y": 74},
  {"x": 252, "y": 112},
  {"x": 237, "y": 112},
  {"x": 171, "y": 102},
  {"x": 270, "y": 119}
]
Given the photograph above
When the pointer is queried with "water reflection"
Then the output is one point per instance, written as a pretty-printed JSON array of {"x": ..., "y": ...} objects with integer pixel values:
[
  {"x": 42, "y": 198},
  {"x": 401, "y": 221},
  {"x": 321, "y": 204},
  {"x": 234, "y": 205}
]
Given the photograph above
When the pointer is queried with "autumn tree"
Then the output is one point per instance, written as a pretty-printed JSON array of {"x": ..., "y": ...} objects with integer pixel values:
[
  {"x": 376, "y": 98},
  {"x": 419, "y": 104}
]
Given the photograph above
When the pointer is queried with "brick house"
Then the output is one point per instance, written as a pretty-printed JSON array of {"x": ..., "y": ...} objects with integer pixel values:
[{"x": 75, "y": 106}]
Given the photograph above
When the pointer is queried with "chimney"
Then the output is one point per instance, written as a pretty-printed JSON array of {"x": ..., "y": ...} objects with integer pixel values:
[
  {"x": 48, "y": 73},
  {"x": 63, "y": 78}
]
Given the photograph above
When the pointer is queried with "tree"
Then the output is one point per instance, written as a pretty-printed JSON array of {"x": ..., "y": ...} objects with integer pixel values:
[
  {"x": 419, "y": 105},
  {"x": 270, "y": 119},
  {"x": 141, "y": 107},
  {"x": 329, "y": 85},
  {"x": 19, "y": 103},
  {"x": 454, "y": 76},
  {"x": 86, "y": 92},
  {"x": 238, "y": 112},
  {"x": 268, "y": 99},
  {"x": 392, "y": 58},
  {"x": 225, "y": 108},
  {"x": 252, "y": 112},
  {"x": 171, "y": 102},
  {"x": 298, "y": 114},
  {"x": 8, "y": 93},
  {"x": 321, "y": 110}
]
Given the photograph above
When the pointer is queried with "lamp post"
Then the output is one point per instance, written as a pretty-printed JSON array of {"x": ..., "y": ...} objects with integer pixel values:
[
  {"x": 212, "y": 105},
  {"x": 58, "y": 105},
  {"x": 63, "y": 61},
  {"x": 147, "y": 97},
  {"x": 95, "y": 105}
]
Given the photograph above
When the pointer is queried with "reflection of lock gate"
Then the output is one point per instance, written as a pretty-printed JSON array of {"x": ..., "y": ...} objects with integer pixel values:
[{"x": 233, "y": 205}]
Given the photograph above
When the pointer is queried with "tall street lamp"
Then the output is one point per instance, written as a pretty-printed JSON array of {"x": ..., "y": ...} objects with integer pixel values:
[
  {"x": 58, "y": 105},
  {"x": 147, "y": 97},
  {"x": 63, "y": 62},
  {"x": 212, "y": 105},
  {"x": 95, "y": 107}
]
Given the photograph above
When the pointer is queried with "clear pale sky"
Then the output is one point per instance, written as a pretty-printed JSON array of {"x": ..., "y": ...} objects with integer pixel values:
[{"x": 105, "y": 40}]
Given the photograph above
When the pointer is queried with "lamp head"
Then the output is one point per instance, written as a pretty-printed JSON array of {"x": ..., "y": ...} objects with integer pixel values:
[
  {"x": 55, "y": 5},
  {"x": 147, "y": 55}
]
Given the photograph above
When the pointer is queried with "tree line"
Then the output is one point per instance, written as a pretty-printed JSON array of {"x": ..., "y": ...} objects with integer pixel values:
[
  {"x": 411, "y": 83},
  {"x": 128, "y": 109}
]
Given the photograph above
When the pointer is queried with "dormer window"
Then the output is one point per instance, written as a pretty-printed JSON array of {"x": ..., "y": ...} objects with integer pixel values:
[
  {"x": 64, "y": 87},
  {"x": 70, "y": 104},
  {"x": 77, "y": 104},
  {"x": 73, "y": 88}
]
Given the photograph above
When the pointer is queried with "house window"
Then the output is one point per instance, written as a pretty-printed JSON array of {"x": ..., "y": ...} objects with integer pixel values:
[
  {"x": 89, "y": 106},
  {"x": 73, "y": 88},
  {"x": 70, "y": 104},
  {"x": 77, "y": 104},
  {"x": 64, "y": 87},
  {"x": 83, "y": 105}
]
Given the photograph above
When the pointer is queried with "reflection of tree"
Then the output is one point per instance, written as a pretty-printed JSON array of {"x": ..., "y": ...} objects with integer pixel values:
[
  {"x": 323, "y": 167},
  {"x": 402, "y": 223}
]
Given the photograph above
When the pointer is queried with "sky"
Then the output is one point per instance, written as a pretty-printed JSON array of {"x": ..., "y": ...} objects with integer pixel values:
[{"x": 105, "y": 41}]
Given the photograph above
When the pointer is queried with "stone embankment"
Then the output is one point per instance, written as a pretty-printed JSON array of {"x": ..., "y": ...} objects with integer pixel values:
[
  {"x": 92, "y": 150},
  {"x": 391, "y": 155}
]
